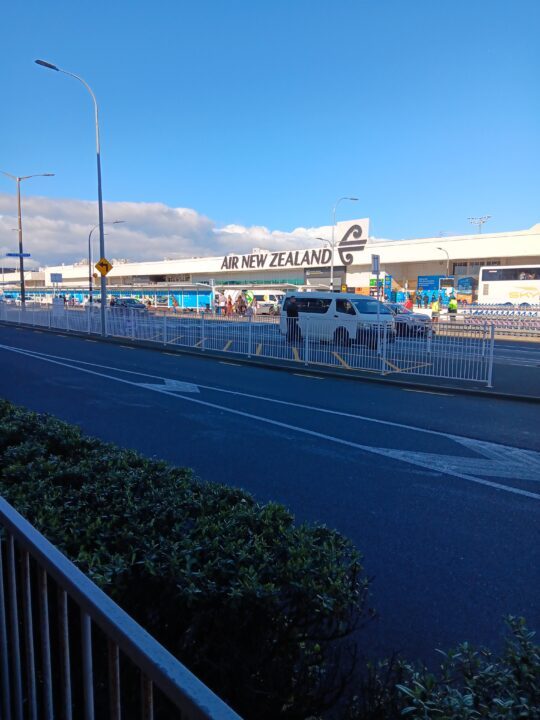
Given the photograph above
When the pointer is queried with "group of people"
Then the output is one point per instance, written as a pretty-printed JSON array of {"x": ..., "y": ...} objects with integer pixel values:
[
  {"x": 435, "y": 304},
  {"x": 224, "y": 305}
]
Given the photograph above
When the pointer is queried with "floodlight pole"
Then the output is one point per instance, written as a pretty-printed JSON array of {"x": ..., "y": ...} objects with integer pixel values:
[
  {"x": 50, "y": 66},
  {"x": 19, "y": 225},
  {"x": 333, "y": 241}
]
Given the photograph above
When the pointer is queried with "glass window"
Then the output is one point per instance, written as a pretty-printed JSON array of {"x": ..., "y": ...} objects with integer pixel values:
[
  {"x": 368, "y": 306},
  {"x": 344, "y": 306},
  {"x": 517, "y": 273},
  {"x": 311, "y": 305}
]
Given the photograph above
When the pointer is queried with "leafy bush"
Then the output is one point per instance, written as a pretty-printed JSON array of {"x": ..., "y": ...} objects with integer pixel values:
[
  {"x": 471, "y": 684},
  {"x": 256, "y": 606}
]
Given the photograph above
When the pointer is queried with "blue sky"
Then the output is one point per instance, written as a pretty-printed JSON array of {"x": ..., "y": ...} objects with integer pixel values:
[{"x": 264, "y": 113}]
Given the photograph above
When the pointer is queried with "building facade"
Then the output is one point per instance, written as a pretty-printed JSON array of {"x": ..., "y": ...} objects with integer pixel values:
[{"x": 406, "y": 264}]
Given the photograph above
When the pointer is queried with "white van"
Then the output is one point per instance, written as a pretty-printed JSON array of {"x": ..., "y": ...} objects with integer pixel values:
[
  {"x": 268, "y": 301},
  {"x": 338, "y": 317}
]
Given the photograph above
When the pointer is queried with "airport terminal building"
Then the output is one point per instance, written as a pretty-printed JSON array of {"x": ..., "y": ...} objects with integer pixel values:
[{"x": 406, "y": 265}]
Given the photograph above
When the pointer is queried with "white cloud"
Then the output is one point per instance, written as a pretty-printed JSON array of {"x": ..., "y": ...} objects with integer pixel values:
[{"x": 56, "y": 231}]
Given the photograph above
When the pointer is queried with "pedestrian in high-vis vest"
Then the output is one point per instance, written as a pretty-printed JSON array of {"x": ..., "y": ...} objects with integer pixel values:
[
  {"x": 435, "y": 310},
  {"x": 452, "y": 308}
]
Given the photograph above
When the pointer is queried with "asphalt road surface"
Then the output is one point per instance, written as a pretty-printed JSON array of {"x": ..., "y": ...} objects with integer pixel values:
[{"x": 440, "y": 492}]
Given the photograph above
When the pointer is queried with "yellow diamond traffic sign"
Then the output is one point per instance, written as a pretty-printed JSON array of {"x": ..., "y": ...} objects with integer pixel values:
[{"x": 104, "y": 266}]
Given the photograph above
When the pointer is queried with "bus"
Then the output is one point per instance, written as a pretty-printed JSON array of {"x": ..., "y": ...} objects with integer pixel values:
[{"x": 509, "y": 284}]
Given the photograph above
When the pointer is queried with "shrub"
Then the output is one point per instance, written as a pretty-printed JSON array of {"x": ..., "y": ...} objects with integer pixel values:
[
  {"x": 471, "y": 684},
  {"x": 258, "y": 607}
]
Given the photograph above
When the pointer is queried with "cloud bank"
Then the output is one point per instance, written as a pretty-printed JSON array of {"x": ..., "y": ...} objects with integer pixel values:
[{"x": 56, "y": 232}]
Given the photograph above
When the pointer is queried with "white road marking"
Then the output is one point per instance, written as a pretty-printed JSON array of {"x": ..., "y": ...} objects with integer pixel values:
[
  {"x": 412, "y": 458},
  {"x": 427, "y": 392},
  {"x": 303, "y": 406},
  {"x": 172, "y": 385}
]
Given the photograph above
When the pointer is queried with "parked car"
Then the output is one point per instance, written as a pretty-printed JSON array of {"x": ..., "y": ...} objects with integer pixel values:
[
  {"x": 409, "y": 323},
  {"x": 129, "y": 304},
  {"x": 268, "y": 303}
]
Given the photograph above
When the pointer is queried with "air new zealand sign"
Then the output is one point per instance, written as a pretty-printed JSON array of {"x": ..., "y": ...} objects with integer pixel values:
[{"x": 353, "y": 240}]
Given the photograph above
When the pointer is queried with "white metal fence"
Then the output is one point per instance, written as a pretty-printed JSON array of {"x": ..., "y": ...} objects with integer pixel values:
[
  {"x": 68, "y": 651},
  {"x": 455, "y": 351},
  {"x": 507, "y": 321}
]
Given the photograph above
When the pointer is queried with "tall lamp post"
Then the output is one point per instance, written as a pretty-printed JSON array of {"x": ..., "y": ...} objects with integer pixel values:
[
  {"x": 447, "y": 260},
  {"x": 90, "y": 282},
  {"x": 332, "y": 242},
  {"x": 50, "y": 66},
  {"x": 352, "y": 199},
  {"x": 21, "y": 258}
]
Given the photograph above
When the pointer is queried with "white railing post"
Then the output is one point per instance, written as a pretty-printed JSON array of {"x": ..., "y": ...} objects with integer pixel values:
[
  {"x": 133, "y": 323},
  {"x": 383, "y": 349},
  {"x": 165, "y": 327},
  {"x": 250, "y": 325},
  {"x": 306, "y": 344},
  {"x": 203, "y": 339},
  {"x": 89, "y": 318},
  {"x": 490, "y": 361}
]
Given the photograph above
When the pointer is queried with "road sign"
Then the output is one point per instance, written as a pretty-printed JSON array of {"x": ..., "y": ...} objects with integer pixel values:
[
  {"x": 56, "y": 277},
  {"x": 375, "y": 264},
  {"x": 103, "y": 266},
  {"x": 18, "y": 255}
]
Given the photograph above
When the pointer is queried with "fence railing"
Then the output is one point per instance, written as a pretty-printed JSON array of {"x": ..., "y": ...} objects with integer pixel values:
[
  {"x": 65, "y": 645},
  {"x": 450, "y": 350},
  {"x": 506, "y": 321}
]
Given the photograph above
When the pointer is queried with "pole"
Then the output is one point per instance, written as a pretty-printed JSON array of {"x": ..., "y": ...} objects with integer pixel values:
[
  {"x": 90, "y": 288},
  {"x": 21, "y": 259},
  {"x": 100, "y": 197},
  {"x": 332, "y": 245}
]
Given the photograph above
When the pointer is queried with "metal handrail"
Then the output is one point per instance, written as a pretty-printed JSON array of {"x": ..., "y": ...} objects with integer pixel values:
[{"x": 185, "y": 690}]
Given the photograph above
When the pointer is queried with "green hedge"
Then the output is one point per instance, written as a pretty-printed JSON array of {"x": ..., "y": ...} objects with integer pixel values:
[
  {"x": 258, "y": 607},
  {"x": 470, "y": 684}
]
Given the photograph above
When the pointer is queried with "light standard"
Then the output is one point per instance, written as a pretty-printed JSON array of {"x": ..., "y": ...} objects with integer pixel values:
[
  {"x": 90, "y": 283},
  {"x": 447, "y": 260},
  {"x": 21, "y": 259},
  {"x": 352, "y": 199},
  {"x": 332, "y": 242},
  {"x": 479, "y": 221},
  {"x": 100, "y": 199}
]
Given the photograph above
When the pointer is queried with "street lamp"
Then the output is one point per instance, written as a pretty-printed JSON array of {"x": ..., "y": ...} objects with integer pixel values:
[
  {"x": 50, "y": 66},
  {"x": 90, "y": 282},
  {"x": 21, "y": 258},
  {"x": 332, "y": 242},
  {"x": 479, "y": 221},
  {"x": 447, "y": 260}
]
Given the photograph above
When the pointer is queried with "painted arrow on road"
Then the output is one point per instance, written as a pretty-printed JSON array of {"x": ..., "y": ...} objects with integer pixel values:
[{"x": 170, "y": 385}]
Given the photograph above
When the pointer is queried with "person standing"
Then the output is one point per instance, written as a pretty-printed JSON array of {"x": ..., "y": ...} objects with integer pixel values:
[
  {"x": 435, "y": 310},
  {"x": 408, "y": 303},
  {"x": 452, "y": 308},
  {"x": 419, "y": 298},
  {"x": 292, "y": 320}
]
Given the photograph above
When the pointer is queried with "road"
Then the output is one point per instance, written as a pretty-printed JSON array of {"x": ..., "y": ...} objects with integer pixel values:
[{"x": 440, "y": 492}]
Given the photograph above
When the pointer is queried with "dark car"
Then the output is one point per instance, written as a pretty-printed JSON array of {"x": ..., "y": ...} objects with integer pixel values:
[
  {"x": 409, "y": 323},
  {"x": 129, "y": 303}
]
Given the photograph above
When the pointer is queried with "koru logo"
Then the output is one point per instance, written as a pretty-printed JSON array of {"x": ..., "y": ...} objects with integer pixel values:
[{"x": 351, "y": 241}]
